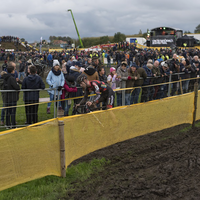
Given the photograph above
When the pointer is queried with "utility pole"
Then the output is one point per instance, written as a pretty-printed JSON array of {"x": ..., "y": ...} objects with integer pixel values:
[{"x": 76, "y": 28}]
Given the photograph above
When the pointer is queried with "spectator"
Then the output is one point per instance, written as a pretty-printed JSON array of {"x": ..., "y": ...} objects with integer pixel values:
[
  {"x": 148, "y": 92},
  {"x": 185, "y": 67},
  {"x": 133, "y": 75},
  {"x": 174, "y": 69},
  {"x": 165, "y": 72},
  {"x": 3, "y": 97},
  {"x": 112, "y": 78},
  {"x": 138, "y": 83},
  {"x": 55, "y": 79},
  {"x": 89, "y": 62},
  {"x": 69, "y": 63},
  {"x": 108, "y": 60},
  {"x": 67, "y": 92},
  {"x": 11, "y": 98},
  {"x": 91, "y": 73},
  {"x": 50, "y": 59},
  {"x": 32, "y": 81},
  {"x": 22, "y": 67},
  {"x": 95, "y": 62},
  {"x": 4, "y": 66},
  {"x": 75, "y": 72},
  {"x": 64, "y": 70},
  {"x": 157, "y": 79},
  {"x": 194, "y": 73},
  {"x": 122, "y": 74},
  {"x": 101, "y": 73}
]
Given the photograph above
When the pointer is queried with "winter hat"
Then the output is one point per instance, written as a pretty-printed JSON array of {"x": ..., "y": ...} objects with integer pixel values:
[
  {"x": 70, "y": 78},
  {"x": 112, "y": 69},
  {"x": 134, "y": 65},
  {"x": 78, "y": 63},
  {"x": 56, "y": 62}
]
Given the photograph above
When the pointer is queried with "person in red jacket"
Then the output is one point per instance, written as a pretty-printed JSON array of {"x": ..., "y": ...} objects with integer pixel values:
[{"x": 67, "y": 92}]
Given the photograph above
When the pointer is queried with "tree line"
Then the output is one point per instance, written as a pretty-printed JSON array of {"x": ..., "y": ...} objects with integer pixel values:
[{"x": 92, "y": 41}]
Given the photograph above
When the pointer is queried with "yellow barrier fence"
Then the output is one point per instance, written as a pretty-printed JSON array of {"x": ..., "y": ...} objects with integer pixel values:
[
  {"x": 34, "y": 152},
  {"x": 29, "y": 153}
]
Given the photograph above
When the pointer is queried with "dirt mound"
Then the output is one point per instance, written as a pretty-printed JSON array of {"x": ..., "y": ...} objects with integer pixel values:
[{"x": 161, "y": 165}]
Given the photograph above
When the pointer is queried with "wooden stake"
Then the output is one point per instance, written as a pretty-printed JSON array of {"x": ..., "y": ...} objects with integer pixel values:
[
  {"x": 181, "y": 86},
  {"x": 195, "y": 103},
  {"x": 62, "y": 148}
]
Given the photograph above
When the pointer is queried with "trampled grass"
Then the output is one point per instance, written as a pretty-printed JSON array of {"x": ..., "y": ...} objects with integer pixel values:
[{"x": 52, "y": 187}]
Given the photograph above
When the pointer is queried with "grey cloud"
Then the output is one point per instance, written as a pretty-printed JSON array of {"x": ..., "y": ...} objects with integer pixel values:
[{"x": 35, "y": 18}]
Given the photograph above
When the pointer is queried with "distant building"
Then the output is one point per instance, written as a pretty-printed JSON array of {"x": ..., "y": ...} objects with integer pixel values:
[{"x": 58, "y": 42}]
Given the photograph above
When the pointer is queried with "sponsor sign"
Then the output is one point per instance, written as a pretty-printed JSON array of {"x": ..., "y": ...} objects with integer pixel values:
[{"x": 162, "y": 41}]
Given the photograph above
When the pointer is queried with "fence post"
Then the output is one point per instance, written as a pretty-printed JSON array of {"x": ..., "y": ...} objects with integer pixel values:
[
  {"x": 180, "y": 84},
  {"x": 169, "y": 85},
  {"x": 123, "y": 93},
  {"x": 101, "y": 105},
  {"x": 195, "y": 103},
  {"x": 54, "y": 103},
  {"x": 62, "y": 148},
  {"x": 58, "y": 114}
]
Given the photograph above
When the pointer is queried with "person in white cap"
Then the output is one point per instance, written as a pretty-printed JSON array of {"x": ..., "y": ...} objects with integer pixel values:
[{"x": 55, "y": 79}]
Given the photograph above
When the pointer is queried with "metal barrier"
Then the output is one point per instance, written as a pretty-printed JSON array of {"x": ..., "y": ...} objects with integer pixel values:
[{"x": 55, "y": 101}]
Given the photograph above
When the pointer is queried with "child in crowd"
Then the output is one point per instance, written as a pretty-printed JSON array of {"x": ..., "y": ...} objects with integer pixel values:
[{"x": 112, "y": 78}]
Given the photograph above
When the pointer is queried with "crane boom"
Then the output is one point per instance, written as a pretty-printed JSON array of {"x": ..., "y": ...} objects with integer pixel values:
[{"x": 76, "y": 28}]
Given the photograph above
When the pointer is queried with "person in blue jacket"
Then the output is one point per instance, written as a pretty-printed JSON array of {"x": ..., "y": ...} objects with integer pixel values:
[{"x": 55, "y": 79}]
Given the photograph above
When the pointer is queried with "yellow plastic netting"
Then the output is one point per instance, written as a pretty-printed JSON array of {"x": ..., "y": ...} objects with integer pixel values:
[
  {"x": 33, "y": 152},
  {"x": 89, "y": 132},
  {"x": 29, "y": 153}
]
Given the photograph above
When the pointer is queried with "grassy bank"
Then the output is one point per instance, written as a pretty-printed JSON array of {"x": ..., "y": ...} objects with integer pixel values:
[{"x": 52, "y": 187}]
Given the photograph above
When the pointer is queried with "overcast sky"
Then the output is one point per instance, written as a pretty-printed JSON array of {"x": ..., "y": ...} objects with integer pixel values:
[{"x": 33, "y": 19}]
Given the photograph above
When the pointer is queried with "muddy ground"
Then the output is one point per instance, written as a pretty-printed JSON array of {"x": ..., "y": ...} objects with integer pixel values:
[{"x": 164, "y": 165}]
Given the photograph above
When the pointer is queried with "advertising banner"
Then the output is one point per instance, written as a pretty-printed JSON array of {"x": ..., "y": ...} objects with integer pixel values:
[{"x": 162, "y": 41}]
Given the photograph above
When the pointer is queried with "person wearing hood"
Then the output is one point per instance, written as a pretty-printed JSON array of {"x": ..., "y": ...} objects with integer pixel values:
[
  {"x": 11, "y": 98},
  {"x": 91, "y": 73},
  {"x": 56, "y": 80},
  {"x": 75, "y": 71},
  {"x": 32, "y": 81}
]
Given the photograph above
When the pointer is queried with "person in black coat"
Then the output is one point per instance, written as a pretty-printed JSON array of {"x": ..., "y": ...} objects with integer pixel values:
[
  {"x": 11, "y": 98},
  {"x": 75, "y": 72},
  {"x": 32, "y": 81}
]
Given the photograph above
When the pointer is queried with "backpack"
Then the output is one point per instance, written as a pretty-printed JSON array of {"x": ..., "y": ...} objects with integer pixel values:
[{"x": 5, "y": 84}]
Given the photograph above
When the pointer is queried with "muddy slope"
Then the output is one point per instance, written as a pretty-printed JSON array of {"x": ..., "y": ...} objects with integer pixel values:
[{"x": 161, "y": 165}]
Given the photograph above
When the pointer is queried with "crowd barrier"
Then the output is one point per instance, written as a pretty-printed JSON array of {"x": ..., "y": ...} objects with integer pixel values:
[
  {"x": 48, "y": 147},
  {"x": 123, "y": 90}
]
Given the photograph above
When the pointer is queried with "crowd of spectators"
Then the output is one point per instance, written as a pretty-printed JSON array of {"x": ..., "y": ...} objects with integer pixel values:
[
  {"x": 9, "y": 39},
  {"x": 147, "y": 70}
]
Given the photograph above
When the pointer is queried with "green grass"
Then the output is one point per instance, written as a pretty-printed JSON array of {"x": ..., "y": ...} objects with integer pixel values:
[
  {"x": 186, "y": 129},
  {"x": 52, "y": 187}
]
